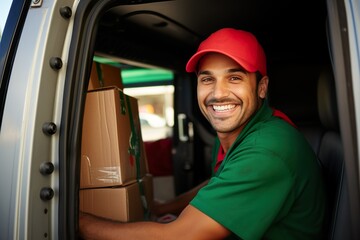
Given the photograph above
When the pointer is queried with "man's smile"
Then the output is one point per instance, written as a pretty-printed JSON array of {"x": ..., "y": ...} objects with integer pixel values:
[{"x": 223, "y": 108}]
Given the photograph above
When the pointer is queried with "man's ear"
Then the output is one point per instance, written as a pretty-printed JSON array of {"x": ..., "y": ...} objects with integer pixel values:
[{"x": 263, "y": 87}]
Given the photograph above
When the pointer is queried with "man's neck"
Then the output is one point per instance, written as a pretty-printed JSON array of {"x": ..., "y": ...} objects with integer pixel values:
[{"x": 227, "y": 139}]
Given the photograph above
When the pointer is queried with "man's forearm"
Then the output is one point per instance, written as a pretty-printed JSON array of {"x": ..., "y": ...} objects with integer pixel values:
[
  {"x": 191, "y": 224},
  {"x": 96, "y": 228}
]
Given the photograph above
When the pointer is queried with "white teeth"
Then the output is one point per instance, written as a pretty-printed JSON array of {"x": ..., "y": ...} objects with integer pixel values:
[{"x": 223, "y": 108}]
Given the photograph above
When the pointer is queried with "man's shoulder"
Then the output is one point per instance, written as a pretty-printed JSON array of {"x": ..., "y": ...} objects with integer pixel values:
[{"x": 274, "y": 135}]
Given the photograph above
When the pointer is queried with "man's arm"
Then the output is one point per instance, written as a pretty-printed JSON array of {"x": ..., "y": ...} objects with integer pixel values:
[
  {"x": 177, "y": 205},
  {"x": 191, "y": 224}
]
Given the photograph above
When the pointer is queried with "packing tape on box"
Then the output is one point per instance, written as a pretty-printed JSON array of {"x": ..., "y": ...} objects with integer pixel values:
[
  {"x": 99, "y": 73},
  {"x": 135, "y": 151},
  {"x": 123, "y": 104},
  {"x": 101, "y": 174},
  {"x": 106, "y": 174},
  {"x": 144, "y": 202}
]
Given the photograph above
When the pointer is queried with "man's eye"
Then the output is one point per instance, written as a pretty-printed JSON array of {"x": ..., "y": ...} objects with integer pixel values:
[
  {"x": 235, "y": 78},
  {"x": 206, "y": 80}
]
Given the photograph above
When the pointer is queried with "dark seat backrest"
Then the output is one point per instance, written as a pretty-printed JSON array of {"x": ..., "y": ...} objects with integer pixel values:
[{"x": 331, "y": 157}]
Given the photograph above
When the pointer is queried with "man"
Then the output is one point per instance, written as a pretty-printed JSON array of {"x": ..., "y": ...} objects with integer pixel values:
[{"x": 267, "y": 184}]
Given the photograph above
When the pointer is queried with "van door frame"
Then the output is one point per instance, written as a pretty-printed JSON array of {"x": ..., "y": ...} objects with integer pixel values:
[{"x": 339, "y": 13}]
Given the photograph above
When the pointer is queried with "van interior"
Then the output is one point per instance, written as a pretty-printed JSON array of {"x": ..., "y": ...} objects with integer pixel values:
[
  {"x": 143, "y": 37},
  {"x": 165, "y": 34}
]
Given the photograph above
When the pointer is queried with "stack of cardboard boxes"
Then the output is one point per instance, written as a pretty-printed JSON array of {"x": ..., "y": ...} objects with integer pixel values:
[{"x": 115, "y": 182}]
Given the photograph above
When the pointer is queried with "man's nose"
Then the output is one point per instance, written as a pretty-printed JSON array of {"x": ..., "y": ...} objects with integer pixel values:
[{"x": 221, "y": 89}]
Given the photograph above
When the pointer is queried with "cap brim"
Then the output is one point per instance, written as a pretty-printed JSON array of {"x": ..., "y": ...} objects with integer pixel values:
[{"x": 191, "y": 65}]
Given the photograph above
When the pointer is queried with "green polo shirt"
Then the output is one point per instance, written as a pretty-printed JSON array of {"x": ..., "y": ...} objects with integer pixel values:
[{"x": 269, "y": 186}]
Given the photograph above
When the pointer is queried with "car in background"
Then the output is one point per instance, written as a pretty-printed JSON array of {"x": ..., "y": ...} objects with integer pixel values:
[
  {"x": 46, "y": 53},
  {"x": 153, "y": 127}
]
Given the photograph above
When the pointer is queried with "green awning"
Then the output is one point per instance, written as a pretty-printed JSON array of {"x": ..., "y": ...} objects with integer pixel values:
[{"x": 146, "y": 75}]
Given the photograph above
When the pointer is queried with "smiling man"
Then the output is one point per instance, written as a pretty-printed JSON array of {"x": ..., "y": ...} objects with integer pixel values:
[
  {"x": 228, "y": 95},
  {"x": 266, "y": 183}
]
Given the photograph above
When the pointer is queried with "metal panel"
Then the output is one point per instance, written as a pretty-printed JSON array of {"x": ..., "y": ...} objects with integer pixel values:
[{"x": 26, "y": 140}]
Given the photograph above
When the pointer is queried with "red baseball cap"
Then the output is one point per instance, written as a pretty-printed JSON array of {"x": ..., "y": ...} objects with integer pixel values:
[{"x": 239, "y": 45}]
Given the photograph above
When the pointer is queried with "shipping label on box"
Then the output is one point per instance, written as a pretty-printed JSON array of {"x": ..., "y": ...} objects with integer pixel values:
[
  {"x": 124, "y": 204},
  {"x": 112, "y": 150}
]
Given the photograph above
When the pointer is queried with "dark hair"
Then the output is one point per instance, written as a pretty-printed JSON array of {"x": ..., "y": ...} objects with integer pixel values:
[{"x": 259, "y": 76}]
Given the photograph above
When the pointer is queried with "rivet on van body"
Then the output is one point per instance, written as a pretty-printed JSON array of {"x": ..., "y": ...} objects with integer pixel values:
[
  {"x": 46, "y": 168},
  {"x": 36, "y": 3},
  {"x": 46, "y": 193},
  {"x": 56, "y": 63},
  {"x": 65, "y": 12},
  {"x": 49, "y": 128}
]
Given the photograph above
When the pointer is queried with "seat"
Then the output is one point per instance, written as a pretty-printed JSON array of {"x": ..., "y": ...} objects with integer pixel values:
[{"x": 331, "y": 157}]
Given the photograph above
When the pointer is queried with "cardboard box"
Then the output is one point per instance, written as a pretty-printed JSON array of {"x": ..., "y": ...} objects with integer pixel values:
[
  {"x": 112, "y": 152},
  {"x": 122, "y": 204},
  {"x": 104, "y": 75}
]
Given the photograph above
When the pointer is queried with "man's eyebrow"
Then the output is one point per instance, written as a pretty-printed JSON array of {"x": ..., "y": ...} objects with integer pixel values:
[
  {"x": 233, "y": 70},
  {"x": 204, "y": 72}
]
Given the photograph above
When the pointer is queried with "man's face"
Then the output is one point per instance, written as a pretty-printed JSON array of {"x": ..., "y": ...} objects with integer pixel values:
[{"x": 227, "y": 94}]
